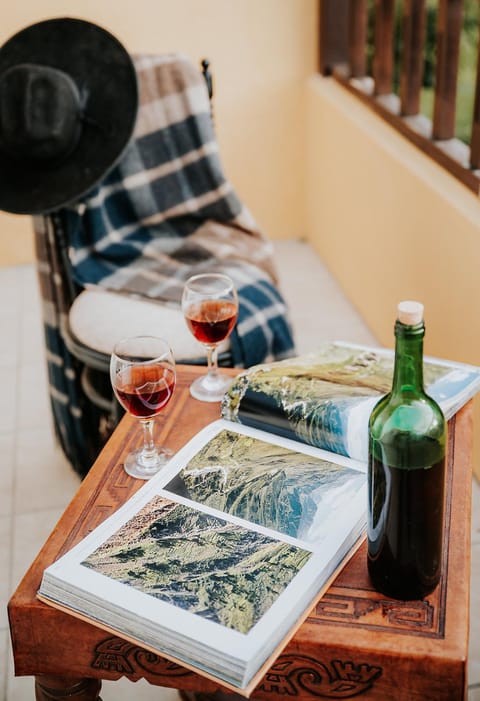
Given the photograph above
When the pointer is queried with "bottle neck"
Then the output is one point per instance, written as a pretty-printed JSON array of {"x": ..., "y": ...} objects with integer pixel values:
[{"x": 408, "y": 368}]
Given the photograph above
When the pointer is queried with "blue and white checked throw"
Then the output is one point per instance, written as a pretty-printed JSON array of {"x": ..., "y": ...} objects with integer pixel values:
[{"x": 167, "y": 212}]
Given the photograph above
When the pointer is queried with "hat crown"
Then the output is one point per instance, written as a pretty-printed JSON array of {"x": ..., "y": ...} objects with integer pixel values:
[
  {"x": 40, "y": 113},
  {"x": 68, "y": 105}
]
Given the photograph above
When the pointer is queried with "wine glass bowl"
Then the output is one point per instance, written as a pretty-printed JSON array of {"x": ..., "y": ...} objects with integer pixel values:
[
  {"x": 210, "y": 308},
  {"x": 142, "y": 372}
]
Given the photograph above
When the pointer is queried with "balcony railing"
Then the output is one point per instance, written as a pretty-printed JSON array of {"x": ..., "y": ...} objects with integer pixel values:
[{"x": 378, "y": 49}]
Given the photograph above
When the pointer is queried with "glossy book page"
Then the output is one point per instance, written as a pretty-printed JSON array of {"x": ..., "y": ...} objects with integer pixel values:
[
  {"x": 217, "y": 558},
  {"x": 325, "y": 398}
]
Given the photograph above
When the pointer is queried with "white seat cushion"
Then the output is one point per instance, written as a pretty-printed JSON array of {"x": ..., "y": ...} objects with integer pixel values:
[{"x": 99, "y": 319}]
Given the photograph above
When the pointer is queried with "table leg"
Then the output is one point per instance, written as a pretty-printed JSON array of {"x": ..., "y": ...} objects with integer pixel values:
[{"x": 57, "y": 688}]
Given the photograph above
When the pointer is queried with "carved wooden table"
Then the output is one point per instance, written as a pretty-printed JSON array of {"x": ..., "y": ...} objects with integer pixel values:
[{"x": 356, "y": 643}]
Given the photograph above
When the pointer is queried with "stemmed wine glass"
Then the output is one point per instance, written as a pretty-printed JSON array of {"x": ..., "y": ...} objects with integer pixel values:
[
  {"x": 210, "y": 307},
  {"x": 142, "y": 372}
]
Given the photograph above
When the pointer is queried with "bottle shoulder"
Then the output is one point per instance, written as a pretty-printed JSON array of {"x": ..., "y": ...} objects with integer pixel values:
[
  {"x": 407, "y": 431},
  {"x": 407, "y": 412}
]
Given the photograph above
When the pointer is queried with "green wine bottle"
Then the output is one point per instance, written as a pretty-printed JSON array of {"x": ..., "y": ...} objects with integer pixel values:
[{"x": 406, "y": 473}]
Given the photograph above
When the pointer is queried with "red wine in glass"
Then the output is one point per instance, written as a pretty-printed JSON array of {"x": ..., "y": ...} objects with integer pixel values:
[
  {"x": 145, "y": 390},
  {"x": 210, "y": 308},
  {"x": 142, "y": 373},
  {"x": 211, "y": 321}
]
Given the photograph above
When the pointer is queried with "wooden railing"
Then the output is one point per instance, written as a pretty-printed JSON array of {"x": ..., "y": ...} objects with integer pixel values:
[{"x": 367, "y": 65}]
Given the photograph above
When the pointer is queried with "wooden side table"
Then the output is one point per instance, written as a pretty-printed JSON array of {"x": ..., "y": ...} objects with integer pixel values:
[{"x": 355, "y": 643}]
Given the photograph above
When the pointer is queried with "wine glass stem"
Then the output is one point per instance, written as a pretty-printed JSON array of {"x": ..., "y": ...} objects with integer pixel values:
[
  {"x": 149, "y": 452},
  {"x": 212, "y": 361}
]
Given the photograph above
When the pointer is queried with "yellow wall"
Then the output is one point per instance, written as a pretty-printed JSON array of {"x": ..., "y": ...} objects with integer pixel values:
[
  {"x": 261, "y": 52},
  {"x": 390, "y": 224}
]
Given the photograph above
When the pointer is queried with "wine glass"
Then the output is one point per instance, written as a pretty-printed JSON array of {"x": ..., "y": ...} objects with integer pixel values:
[
  {"x": 210, "y": 307},
  {"x": 142, "y": 372}
]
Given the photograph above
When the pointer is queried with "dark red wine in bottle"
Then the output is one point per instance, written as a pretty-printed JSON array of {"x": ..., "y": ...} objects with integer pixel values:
[{"x": 406, "y": 466}]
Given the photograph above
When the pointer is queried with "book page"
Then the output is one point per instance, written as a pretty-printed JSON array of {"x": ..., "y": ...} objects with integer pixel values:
[
  {"x": 325, "y": 398},
  {"x": 291, "y": 492},
  {"x": 222, "y": 537},
  {"x": 199, "y": 562}
]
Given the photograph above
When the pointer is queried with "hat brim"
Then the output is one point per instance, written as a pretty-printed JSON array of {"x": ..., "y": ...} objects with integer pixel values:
[{"x": 105, "y": 74}]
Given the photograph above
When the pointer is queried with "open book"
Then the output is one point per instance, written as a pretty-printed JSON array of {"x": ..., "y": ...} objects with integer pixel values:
[
  {"x": 216, "y": 561},
  {"x": 325, "y": 398}
]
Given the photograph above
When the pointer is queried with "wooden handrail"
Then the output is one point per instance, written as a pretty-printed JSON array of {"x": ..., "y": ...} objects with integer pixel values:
[{"x": 343, "y": 54}]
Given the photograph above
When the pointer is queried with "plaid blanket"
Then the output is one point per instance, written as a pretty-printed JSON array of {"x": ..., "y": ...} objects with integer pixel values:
[
  {"x": 167, "y": 212},
  {"x": 81, "y": 428},
  {"x": 164, "y": 213}
]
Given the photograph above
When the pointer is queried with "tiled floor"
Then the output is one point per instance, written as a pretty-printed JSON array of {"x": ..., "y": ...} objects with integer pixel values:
[{"x": 37, "y": 483}]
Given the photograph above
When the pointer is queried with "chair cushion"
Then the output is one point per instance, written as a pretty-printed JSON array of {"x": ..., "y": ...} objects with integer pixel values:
[{"x": 99, "y": 319}]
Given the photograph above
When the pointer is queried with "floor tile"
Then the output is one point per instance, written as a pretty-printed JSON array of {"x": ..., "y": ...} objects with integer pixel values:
[
  {"x": 31, "y": 328},
  {"x": 30, "y": 531},
  {"x": 8, "y": 398},
  {"x": 19, "y": 688},
  {"x": 30, "y": 295},
  {"x": 4, "y": 642},
  {"x": 10, "y": 323},
  {"x": 7, "y": 452},
  {"x": 33, "y": 406},
  {"x": 474, "y": 693},
  {"x": 43, "y": 477},
  {"x": 10, "y": 316},
  {"x": 474, "y": 653},
  {"x": 125, "y": 690},
  {"x": 31, "y": 345},
  {"x": 9, "y": 275},
  {"x": 5, "y": 565}
]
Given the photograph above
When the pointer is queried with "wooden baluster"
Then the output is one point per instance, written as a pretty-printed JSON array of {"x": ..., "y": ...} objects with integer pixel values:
[
  {"x": 414, "y": 19},
  {"x": 57, "y": 688},
  {"x": 383, "y": 53},
  {"x": 357, "y": 37},
  {"x": 449, "y": 27},
  {"x": 333, "y": 46},
  {"x": 475, "y": 138}
]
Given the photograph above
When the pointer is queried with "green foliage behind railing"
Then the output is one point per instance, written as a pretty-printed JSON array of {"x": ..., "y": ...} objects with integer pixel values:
[{"x": 467, "y": 64}]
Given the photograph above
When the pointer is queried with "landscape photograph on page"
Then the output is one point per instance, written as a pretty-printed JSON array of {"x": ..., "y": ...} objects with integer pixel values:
[
  {"x": 201, "y": 563},
  {"x": 325, "y": 398},
  {"x": 273, "y": 486},
  {"x": 216, "y": 560}
]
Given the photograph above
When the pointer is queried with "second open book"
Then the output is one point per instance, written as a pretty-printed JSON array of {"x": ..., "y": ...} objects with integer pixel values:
[{"x": 216, "y": 561}]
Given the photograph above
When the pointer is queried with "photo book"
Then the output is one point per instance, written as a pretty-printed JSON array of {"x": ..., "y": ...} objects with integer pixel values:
[
  {"x": 216, "y": 561},
  {"x": 325, "y": 398}
]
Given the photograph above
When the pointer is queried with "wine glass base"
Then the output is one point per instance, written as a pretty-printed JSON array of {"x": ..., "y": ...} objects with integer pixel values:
[
  {"x": 135, "y": 467},
  {"x": 210, "y": 389}
]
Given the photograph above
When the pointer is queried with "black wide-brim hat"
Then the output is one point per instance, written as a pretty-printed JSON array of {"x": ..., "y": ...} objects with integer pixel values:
[{"x": 68, "y": 107}]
